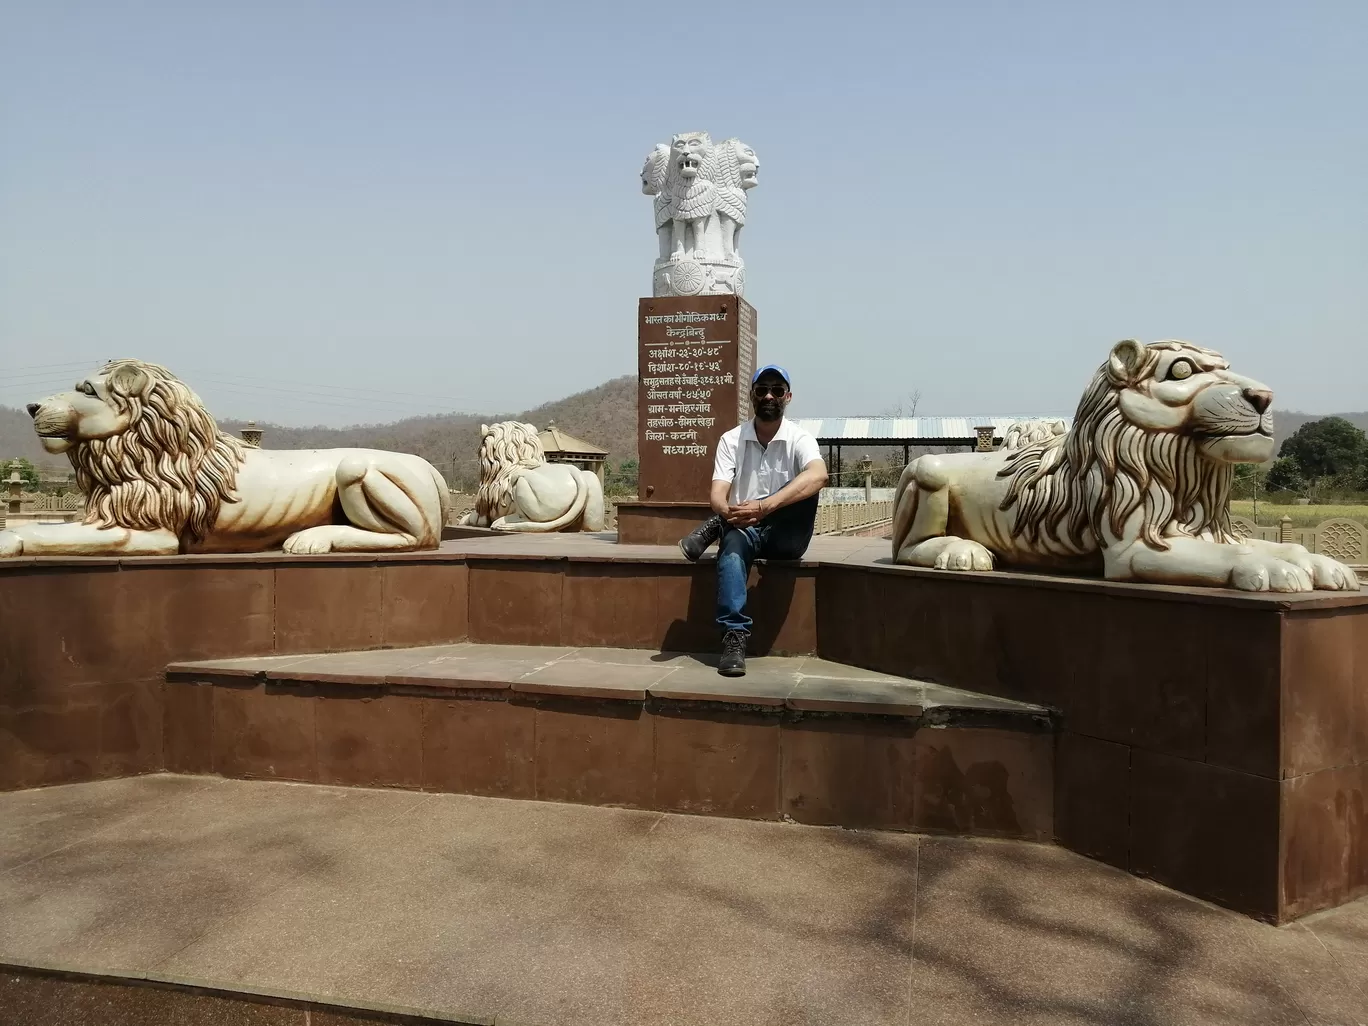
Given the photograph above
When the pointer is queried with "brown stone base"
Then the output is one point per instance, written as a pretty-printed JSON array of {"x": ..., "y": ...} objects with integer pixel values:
[
  {"x": 33, "y": 995},
  {"x": 658, "y": 523},
  {"x": 1214, "y": 741},
  {"x": 721, "y": 758}
]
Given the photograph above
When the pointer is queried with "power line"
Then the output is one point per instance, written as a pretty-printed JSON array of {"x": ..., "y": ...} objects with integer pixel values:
[{"x": 36, "y": 376}]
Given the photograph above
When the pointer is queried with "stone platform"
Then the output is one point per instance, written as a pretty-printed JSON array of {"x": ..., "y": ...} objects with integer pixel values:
[
  {"x": 1212, "y": 740},
  {"x": 494, "y": 911},
  {"x": 797, "y": 738}
]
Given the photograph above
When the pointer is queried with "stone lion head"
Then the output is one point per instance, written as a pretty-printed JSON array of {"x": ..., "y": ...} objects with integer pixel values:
[
  {"x": 688, "y": 151},
  {"x": 656, "y": 170},
  {"x": 146, "y": 452},
  {"x": 505, "y": 449},
  {"x": 1158, "y": 430}
]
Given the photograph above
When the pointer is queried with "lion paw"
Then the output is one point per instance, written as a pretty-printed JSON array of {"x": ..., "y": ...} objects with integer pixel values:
[
  {"x": 963, "y": 554},
  {"x": 1330, "y": 574},
  {"x": 312, "y": 542},
  {"x": 1260, "y": 571},
  {"x": 10, "y": 545}
]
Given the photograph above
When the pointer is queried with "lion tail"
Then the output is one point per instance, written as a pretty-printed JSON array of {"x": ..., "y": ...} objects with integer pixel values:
[{"x": 568, "y": 517}]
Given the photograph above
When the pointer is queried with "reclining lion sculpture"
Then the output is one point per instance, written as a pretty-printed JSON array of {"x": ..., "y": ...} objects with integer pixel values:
[
  {"x": 520, "y": 491},
  {"x": 159, "y": 477},
  {"x": 1138, "y": 488}
]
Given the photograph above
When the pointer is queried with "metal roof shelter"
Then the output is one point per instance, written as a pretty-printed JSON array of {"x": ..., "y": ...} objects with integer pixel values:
[
  {"x": 836, "y": 432},
  {"x": 565, "y": 448}
]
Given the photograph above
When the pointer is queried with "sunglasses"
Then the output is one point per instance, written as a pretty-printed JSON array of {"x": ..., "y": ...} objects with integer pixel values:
[{"x": 777, "y": 391}]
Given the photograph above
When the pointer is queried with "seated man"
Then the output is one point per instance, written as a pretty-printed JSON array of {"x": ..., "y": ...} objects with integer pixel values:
[{"x": 766, "y": 477}]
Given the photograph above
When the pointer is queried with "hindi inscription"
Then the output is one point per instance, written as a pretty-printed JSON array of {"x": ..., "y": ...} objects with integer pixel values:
[{"x": 695, "y": 358}]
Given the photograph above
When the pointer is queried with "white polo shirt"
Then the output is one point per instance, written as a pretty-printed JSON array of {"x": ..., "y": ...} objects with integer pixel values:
[{"x": 757, "y": 471}]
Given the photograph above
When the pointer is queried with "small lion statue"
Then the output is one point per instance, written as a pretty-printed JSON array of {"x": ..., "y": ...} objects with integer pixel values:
[
  {"x": 1138, "y": 488},
  {"x": 159, "y": 478},
  {"x": 520, "y": 491}
]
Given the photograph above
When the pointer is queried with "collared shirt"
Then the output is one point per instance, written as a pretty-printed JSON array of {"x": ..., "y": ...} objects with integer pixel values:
[{"x": 757, "y": 471}]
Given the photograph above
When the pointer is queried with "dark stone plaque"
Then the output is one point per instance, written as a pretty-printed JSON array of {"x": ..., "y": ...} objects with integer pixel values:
[{"x": 695, "y": 358}]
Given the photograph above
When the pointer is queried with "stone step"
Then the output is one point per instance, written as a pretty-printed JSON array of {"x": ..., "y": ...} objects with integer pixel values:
[
  {"x": 801, "y": 684},
  {"x": 796, "y": 738}
]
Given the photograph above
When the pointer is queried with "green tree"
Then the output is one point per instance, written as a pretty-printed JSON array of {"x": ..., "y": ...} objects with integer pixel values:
[
  {"x": 1330, "y": 448},
  {"x": 1285, "y": 475},
  {"x": 622, "y": 479}
]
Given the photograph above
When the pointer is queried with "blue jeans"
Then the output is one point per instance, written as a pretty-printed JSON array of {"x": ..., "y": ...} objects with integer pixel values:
[{"x": 784, "y": 534}]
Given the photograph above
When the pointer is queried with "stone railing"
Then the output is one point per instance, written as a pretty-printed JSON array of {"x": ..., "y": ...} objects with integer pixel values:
[
  {"x": 839, "y": 517},
  {"x": 1338, "y": 537},
  {"x": 51, "y": 502}
]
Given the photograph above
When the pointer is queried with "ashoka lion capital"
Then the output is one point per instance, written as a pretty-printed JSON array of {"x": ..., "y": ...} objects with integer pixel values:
[{"x": 700, "y": 208}]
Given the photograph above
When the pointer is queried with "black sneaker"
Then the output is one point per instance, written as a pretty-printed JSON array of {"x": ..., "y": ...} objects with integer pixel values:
[
  {"x": 703, "y": 535},
  {"x": 733, "y": 661}
]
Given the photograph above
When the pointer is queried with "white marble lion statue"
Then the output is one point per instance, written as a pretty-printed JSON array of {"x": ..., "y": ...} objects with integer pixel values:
[
  {"x": 520, "y": 491},
  {"x": 1138, "y": 487},
  {"x": 159, "y": 477}
]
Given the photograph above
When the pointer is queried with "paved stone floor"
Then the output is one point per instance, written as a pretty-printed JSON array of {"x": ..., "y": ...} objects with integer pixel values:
[{"x": 544, "y": 914}]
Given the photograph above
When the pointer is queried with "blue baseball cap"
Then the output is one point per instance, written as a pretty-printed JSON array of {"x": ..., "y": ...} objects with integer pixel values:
[{"x": 777, "y": 370}]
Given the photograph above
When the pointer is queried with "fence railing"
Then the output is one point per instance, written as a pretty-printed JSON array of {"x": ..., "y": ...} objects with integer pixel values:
[
  {"x": 836, "y": 517},
  {"x": 50, "y": 502},
  {"x": 1339, "y": 537}
]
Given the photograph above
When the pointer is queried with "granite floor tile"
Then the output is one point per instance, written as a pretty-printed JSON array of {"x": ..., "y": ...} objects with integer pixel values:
[
  {"x": 586, "y": 679},
  {"x": 554, "y": 914},
  {"x": 37, "y": 822},
  {"x": 474, "y": 664},
  {"x": 627, "y": 917},
  {"x": 1342, "y": 929},
  {"x": 775, "y": 924},
  {"x": 631, "y": 657},
  {"x": 763, "y": 684},
  {"x": 1057, "y": 939},
  {"x": 825, "y": 668},
  {"x": 149, "y": 884},
  {"x": 488, "y": 887}
]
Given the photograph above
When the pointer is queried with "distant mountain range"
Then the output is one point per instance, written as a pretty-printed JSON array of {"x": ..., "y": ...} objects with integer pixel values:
[{"x": 605, "y": 416}]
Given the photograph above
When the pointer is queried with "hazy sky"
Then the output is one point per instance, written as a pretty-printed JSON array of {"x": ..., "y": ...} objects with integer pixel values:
[{"x": 335, "y": 212}]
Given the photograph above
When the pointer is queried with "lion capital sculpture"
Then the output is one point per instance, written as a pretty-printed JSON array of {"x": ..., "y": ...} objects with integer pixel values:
[
  {"x": 1138, "y": 488},
  {"x": 520, "y": 491},
  {"x": 700, "y": 191},
  {"x": 159, "y": 477}
]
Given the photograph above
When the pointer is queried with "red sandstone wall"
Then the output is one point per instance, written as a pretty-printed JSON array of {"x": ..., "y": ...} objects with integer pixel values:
[{"x": 85, "y": 644}]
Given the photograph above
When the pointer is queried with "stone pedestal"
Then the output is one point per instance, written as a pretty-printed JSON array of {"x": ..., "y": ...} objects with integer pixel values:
[{"x": 695, "y": 358}]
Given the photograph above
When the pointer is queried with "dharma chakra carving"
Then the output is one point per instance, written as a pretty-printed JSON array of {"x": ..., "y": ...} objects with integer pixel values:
[
  {"x": 1138, "y": 488},
  {"x": 700, "y": 208},
  {"x": 159, "y": 477},
  {"x": 520, "y": 491}
]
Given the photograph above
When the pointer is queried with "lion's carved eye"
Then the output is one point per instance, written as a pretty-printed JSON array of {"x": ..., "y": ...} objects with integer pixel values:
[
  {"x": 86, "y": 387},
  {"x": 1181, "y": 369}
]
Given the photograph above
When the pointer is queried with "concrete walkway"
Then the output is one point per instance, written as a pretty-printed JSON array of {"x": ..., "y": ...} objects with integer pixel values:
[{"x": 544, "y": 914}]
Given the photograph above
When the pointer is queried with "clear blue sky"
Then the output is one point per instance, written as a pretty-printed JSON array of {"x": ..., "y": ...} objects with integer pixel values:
[{"x": 341, "y": 211}]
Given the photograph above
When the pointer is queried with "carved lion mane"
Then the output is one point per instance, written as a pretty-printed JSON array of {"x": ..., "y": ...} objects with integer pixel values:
[
  {"x": 171, "y": 468},
  {"x": 1106, "y": 466},
  {"x": 504, "y": 449}
]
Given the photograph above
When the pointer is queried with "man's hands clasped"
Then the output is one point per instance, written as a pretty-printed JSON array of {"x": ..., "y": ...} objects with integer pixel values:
[{"x": 747, "y": 514}]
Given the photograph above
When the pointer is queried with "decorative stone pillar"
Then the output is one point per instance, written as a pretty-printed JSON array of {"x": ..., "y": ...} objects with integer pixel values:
[
  {"x": 866, "y": 467},
  {"x": 1285, "y": 530},
  {"x": 16, "y": 488},
  {"x": 984, "y": 442},
  {"x": 251, "y": 435}
]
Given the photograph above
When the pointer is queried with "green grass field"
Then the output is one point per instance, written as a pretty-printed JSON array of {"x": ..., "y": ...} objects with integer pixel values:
[{"x": 1302, "y": 516}]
